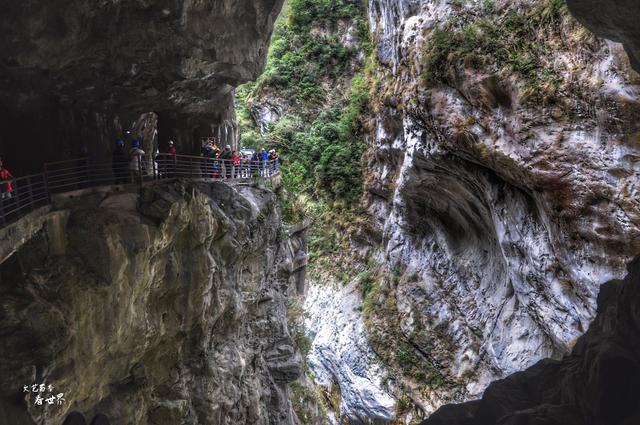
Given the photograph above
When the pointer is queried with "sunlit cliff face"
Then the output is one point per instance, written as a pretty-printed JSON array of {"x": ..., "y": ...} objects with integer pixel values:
[{"x": 503, "y": 195}]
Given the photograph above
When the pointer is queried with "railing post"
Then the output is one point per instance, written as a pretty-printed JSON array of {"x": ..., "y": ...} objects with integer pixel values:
[
  {"x": 16, "y": 197},
  {"x": 139, "y": 176},
  {"x": 45, "y": 178},
  {"x": 89, "y": 179},
  {"x": 2, "y": 217},
  {"x": 30, "y": 191},
  {"x": 175, "y": 166}
]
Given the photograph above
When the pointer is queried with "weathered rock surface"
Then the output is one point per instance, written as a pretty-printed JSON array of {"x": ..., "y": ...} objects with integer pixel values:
[
  {"x": 341, "y": 356},
  {"x": 267, "y": 111},
  {"x": 500, "y": 213},
  {"x": 167, "y": 307},
  {"x": 78, "y": 72},
  {"x": 615, "y": 20},
  {"x": 597, "y": 383}
]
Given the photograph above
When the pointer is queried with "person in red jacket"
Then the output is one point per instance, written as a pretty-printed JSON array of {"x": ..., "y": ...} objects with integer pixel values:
[
  {"x": 236, "y": 164},
  {"x": 172, "y": 149},
  {"x": 5, "y": 187}
]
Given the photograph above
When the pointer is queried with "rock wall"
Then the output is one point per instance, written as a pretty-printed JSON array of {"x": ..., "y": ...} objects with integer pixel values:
[
  {"x": 164, "y": 307},
  {"x": 596, "y": 384},
  {"x": 77, "y": 73},
  {"x": 613, "y": 20},
  {"x": 341, "y": 357},
  {"x": 503, "y": 197}
]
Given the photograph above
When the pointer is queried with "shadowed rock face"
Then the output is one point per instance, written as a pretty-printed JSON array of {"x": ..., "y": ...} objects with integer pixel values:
[
  {"x": 76, "y": 71},
  {"x": 597, "y": 383},
  {"x": 163, "y": 308},
  {"x": 616, "y": 20}
]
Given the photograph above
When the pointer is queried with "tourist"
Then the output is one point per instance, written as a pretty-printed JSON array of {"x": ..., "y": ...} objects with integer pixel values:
[
  {"x": 6, "y": 187},
  {"x": 272, "y": 160},
  {"x": 245, "y": 165},
  {"x": 136, "y": 162},
  {"x": 206, "y": 149},
  {"x": 119, "y": 163},
  {"x": 235, "y": 158},
  {"x": 226, "y": 161},
  {"x": 217, "y": 167},
  {"x": 171, "y": 150},
  {"x": 168, "y": 161},
  {"x": 255, "y": 163},
  {"x": 264, "y": 161}
]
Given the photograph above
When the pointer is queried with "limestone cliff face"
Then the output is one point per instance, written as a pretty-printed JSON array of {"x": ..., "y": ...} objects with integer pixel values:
[
  {"x": 164, "y": 307},
  {"x": 501, "y": 198},
  {"x": 596, "y": 384},
  {"x": 79, "y": 72}
]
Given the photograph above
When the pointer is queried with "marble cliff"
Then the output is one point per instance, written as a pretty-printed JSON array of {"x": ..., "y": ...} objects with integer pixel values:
[
  {"x": 500, "y": 192},
  {"x": 501, "y": 189},
  {"x": 161, "y": 307}
]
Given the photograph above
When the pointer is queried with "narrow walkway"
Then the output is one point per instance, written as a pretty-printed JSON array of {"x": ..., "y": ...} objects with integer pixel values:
[{"x": 34, "y": 191}]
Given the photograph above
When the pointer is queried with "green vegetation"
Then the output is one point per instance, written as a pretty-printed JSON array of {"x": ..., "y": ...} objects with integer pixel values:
[
  {"x": 512, "y": 40},
  {"x": 295, "y": 319},
  {"x": 302, "y": 399},
  {"x": 324, "y": 84},
  {"x": 366, "y": 283}
]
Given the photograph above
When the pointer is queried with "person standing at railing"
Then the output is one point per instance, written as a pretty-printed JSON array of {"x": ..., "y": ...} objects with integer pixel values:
[
  {"x": 272, "y": 161},
  {"x": 217, "y": 167},
  {"x": 6, "y": 187},
  {"x": 119, "y": 162},
  {"x": 206, "y": 151},
  {"x": 235, "y": 159},
  {"x": 255, "y": 163},
  {"x": 276, "y": 161},
  {"x": 136, "y": 162},
  {"x": 171, "y": 149},
  {"x": 246, "y": 162},
  {"x": 169, "y": 160},
  {"x": 226, "y": 161},
  {"x": 264, "y": 162}
]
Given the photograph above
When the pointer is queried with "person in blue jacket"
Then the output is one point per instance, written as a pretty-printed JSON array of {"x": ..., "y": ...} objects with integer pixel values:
[{"x": 264, "y": 161}]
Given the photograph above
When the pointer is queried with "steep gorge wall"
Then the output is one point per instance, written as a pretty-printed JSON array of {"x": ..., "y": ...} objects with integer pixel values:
[
  {"x": 164, "y": 307},
  {"x": 500, "y": 184},
  {"x": 503, "y": 188},
  {"x": 77, "y": 73}
]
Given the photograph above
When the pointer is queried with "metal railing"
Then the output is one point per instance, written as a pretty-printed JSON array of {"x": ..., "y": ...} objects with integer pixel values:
[
  {"x": 27, "y": 194},
  {"x": 169, "y": 166},
  {"x": 31, "y": 192}
]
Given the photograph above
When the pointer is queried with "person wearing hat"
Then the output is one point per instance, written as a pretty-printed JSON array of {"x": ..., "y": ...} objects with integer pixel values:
[
  {"x": 172, "y": 149},
  {"x": 136, "y": 162}
]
